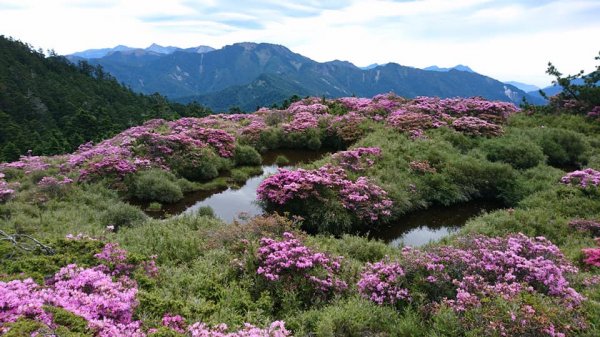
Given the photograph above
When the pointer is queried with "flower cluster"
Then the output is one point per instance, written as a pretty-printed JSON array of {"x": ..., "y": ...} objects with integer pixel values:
[
  {"x": 309, "y": 106},
  {"x": 287, "y": 259},
  {"x": 346, "y": 127},
  {"x": 301, "y": 122},
  {"x": 480, "y": 267},
  {"x": 595, "y": 112},
  {"x": 381, "y": 282},
  {"x": 276, "y": 329},
  {"x": 475, "y": 126},
  {"x": 403, "y": 120},
  {"x": 582, "y": 178},
  {"x": 368, "y": 201},
  {"x": 50, "y": 182},
  {"x": 19, "y": 299},
  {"x": 357, "y": 159},
  {"x": 28, "y": 164},
  {"x": 115, "y": 259},
  {"x": 199, "y": 329},
  {"x": 107, "y": 305},
  {"x": 586, "y": 226},
  {"x": 6, "y": 189},
  {"x": 592, "y": 256}
]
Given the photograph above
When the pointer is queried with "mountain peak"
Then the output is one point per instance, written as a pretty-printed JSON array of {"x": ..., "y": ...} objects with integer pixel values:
[
  {"x": 162, "y": 50},
  {"x": 342, "y": 63},
  {"x": 458, "y": 67}
]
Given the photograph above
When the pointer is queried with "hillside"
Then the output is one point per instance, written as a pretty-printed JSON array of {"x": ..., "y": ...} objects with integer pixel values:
[
  {"x": 221, "y": 77},
  {"x": 81, "y": 259},
  {"x": 49, "y": 106}
]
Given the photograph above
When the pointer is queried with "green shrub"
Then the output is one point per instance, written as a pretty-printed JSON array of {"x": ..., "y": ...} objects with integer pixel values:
[
  {"x": 205, "y": 211},
  {"x": 239, "y": 177},
  {"x": 185, "y": 185},
  {"x": 246, "y": 155},
  {"x": 270, "y": 139},
  {"x": 122, "y": 215},
  {"x": 519, "y": 152},
  {"x": 563, "y": 147},
  {"x": 281, "y": 160},
  {"x": 37, "y": 264},
  {"x": 201, "y": 164},
  {"x": 355, "y": 247},
  {"x": 354, "y": 317},
  {"x": 154, "y": 207},
  {"x": 478, "y": 178},
  {"x": 155, "y": 185},
  {"x": 313, "y": 142}
]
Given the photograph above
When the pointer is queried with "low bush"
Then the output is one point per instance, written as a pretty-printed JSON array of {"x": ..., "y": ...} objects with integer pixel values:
[
  {"x": 563, "y": 147},
  {"x": 281, "y": 160},
  {"x": 122, "y": 215},
  {"x": 202, "y": 164},
  {"x": 246, "y": 155},
  {"x": 518, "y": 151},
  {"x": 155, "y": 185}
]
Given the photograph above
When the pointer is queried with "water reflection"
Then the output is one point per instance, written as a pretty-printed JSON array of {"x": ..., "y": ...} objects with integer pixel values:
[
  {"x": 229, "y": 203},
  {"x": 421, "y": 227}
]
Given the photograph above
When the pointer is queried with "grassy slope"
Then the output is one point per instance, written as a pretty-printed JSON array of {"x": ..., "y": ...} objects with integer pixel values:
[{"x": 199, "y": 281}]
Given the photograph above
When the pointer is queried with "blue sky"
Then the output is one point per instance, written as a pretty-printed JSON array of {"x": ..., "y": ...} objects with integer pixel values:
[{"x": 508, "y": 40}]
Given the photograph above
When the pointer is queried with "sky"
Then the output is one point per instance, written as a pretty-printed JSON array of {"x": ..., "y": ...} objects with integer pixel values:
[{"x": 504, "y": 39}]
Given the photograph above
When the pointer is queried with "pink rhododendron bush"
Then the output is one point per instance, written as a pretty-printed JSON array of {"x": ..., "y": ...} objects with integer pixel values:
[
  {"x": 6, "y": 189},
  {"x": 467, "y": 276},
  {"x": 303, "y": 192},
  {"x": 103, "y": 297},
  {"x": 582, "y": 178},
  {"x": 527, "y": 266},
  {"x": 309, "y": 123},
  {"x": 291, "y": 264}
]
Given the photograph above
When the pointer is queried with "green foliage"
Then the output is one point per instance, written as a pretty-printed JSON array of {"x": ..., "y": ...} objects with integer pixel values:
[
  {"x": 563, "y": 147},
  {"x": 198, "y": 164},
  {"x": 580, "y": 88},
  {"x": 174, "y": 241},
  {"x": 206, "y": 211},
  {"x": 246, "y": 155},
  {"x": 68, "y": 320},
  {"x": 518, "y": 151},
  {"x": 38, "y": 264},
  {"x": 354, "y": 247},
  {"x": 122, "y": 215},
  {"x": 354, "y": 317},
  {"x": 154, "y": 207},
  {"x": 281, "y": 160},
  {"x": 166, "y": 332},
  {"x": 155, "y": 185},
  {"x": 239, "y": 177},
  {"x": 51, "y": 106}
]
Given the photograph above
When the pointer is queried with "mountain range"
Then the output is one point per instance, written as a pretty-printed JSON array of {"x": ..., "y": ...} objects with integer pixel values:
[
  {"x": 153, "y": 48},
  {"x": 249, "y": 75},
  {"x": 50, "y": 106},
  {"x": 459, "y": 67}
]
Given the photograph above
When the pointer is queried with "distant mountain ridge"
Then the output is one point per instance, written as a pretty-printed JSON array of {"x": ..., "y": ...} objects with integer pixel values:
[
  {"x": 249, "y": 74},
  {"x": 523, "y": 86},
  {"x": 458, "y": 67},
  {"x": 153, "y": 48}
]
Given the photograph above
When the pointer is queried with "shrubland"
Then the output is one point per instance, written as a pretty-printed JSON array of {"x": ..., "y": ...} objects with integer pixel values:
[{"x": 79, "y": 260}]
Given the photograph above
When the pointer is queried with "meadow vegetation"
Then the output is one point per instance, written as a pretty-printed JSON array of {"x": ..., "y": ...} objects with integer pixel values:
[{"x": 78, "y": 260}]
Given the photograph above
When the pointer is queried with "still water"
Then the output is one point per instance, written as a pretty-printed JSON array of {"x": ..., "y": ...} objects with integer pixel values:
[
  {"x": 414, "y": 229},
  {"x": 229, "y": 203},
  {"x": 421, "y": 227}
]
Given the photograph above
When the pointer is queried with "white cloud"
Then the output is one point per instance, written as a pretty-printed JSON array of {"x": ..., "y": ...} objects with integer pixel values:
[{"x": 508, "y": 40}]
